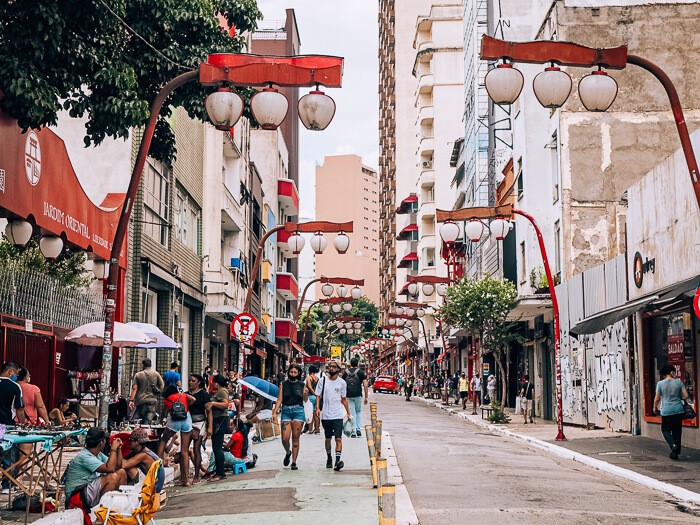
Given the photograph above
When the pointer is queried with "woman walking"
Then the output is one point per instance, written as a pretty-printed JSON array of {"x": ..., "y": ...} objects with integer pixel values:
[
  {"x": 311, "y": 381},
  {"x": 218, "y": 424},
  {"x": 670, "y": 394},
  {"x": 34, "y": 407},
  {"x": 291, "y": 398},
  {"x": 197, "y": 389},
  {"x": 491, "y": 388},
  {"x": 179, "y": 420}
]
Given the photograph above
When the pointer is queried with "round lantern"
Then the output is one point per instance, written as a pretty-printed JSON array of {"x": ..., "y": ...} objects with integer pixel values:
[
  {"x": 504, "y": 84},
  {"x": 269, "y": 108}
]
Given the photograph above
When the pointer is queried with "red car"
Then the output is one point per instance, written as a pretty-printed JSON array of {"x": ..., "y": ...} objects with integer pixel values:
[{"x": 386, "y": 384}]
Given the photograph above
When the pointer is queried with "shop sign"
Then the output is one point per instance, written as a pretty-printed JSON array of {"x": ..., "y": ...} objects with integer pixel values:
[
  {"x": 487, "y": 369},
  {"x": 676, "y": 356},
  {"x": 336, "y": 352},
  {"x": 640, "y": 267}
]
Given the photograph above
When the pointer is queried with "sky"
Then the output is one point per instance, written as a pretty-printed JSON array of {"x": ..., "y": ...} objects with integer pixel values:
[{"x": 346, "y": 28}]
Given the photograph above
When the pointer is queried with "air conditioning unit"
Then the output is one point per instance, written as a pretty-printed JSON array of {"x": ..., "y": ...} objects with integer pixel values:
[{"x": 427, "y": 164}]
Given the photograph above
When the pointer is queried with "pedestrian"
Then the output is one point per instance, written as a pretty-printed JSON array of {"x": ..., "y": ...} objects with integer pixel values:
[
  {"x": 454, "y": 387},
  {"x": 463, "y": 386},
  {"x": 292, "y": 394},
  {"x": 172, "y": 376},
  {"x": 332, "y": 403},
  {"x": 491, "y": 388},
  {"x": 670, "y": 395},
  {"x": 197, "y": 389},
  {"x": 356, "y": 382},
  {"x": 311, "y": 382},
  {"x": 476, "y": 388},
  {"x": 526, "y": 391},
  {"x": 11, "y": 400},
  {"x": 218, "y": 424},
  {"x": 408, "y": 387},
  {"x": 179, "y": 420},
  {"x": 34, "y": 407},
  {"x": 145, "y": 389}
]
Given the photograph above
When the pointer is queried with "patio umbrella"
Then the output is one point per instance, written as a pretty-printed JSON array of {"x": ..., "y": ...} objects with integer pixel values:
[
  {"x": 260, "y": 386},
  {"x": 161, "y": 340},
  {"x": 92, "y": 334}
]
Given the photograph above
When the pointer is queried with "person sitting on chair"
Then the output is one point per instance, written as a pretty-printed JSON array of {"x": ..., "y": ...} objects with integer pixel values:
[
  {"x": 141, "y": 458},
  {"x": 90, "y": 474},
  {"x": 61, "y": 416},
  {"x": 262, "y": 410}
]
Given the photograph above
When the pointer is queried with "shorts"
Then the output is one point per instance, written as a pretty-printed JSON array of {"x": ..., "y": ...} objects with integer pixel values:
[
  {"x": 92, "y": 492},
  {"x": 463, "y": 394},
  {"x": 332, "y": 427},
  {"x": 312, "y": 400},
  {"x": 199, "y": 425},
  {"x": 184, "y": 425},
  {"x": 293, "y": 413}
]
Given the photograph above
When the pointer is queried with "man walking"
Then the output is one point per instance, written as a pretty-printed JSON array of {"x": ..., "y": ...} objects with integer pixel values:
[
  {"x": 172, "y": 376},
  {"x": 476, "y": 388},
  {"x": 464, "y": 390},
  {"x": 146, "y": 388},
  {"x": 332, "y": 403},
  {"x": 356, "y": 382},
  {"x": 526, "y": 398}
]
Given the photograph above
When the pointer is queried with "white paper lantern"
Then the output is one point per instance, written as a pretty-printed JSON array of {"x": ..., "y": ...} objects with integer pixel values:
[
  {"x": 316, "y": 110},
  {"x": 392, "y": 321},
  {"x": 269, "y": 108},
  {"x": 428, "y": 289},
  {"x": 357, "y": 325},
  {"x": 325, "y": 308},
  {"x": 342, "y": 290},
  {"x": 18, "y": 232},
  {"x": 420, "y": 312},
  {"x": 504, "y": 84},
  {"x": 412, "y": 289},
  {"x": 449, "y": 231},
  {"x": 410, "y": 312},
  {"x": 296, "y": 243},
  {"x": 341, "y": 243},
  {"x": 441, "y": 291},
  {"x": 343, "y": 330},
  {"x": 51, "y": 246},
  {"x": 318, "y": 243},
  {"x": 399, "y": 310},
  {"x": 224, "y": 108},
  {"x": 499, "y": 228},
  {"x": 597, "y": 91},
  {"x": 552, "y": 87},
  {"x": 474, "y": 230},
  {"x": 356, "y": 292},
  {"x": 327, "y": 289},
  {"x": 347, "y": 307},
  {"x": 336, "y": 308}
]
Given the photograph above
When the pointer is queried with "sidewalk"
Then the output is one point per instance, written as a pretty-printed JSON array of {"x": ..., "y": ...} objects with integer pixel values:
[
  {"x": 272, "y": 494},
  {"x": 635, "y": 458}
]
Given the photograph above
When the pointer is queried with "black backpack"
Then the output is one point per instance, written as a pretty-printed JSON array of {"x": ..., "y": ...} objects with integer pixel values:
[
  {"x": 178, "y": 411},
  {"x": 354, "y": 384}
]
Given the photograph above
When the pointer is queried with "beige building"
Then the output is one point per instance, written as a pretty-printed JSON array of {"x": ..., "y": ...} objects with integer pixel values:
[{"x": 347, "y": 190}]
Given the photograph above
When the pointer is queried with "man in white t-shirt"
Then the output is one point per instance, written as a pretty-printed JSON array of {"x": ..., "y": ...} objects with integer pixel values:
[{"x": 332, "y": 405}]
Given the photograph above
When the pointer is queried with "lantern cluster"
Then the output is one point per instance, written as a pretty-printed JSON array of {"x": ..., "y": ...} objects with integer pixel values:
[
  {"x": 552, "y": 87},
  {"x": 269, "y": 107},
  {"x": 318, "y": 243}
]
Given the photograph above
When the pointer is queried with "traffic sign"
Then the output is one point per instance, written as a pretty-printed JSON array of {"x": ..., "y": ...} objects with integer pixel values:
[
  {"x": 696, "y": 302},
  {"x": 244, "y": 327}
]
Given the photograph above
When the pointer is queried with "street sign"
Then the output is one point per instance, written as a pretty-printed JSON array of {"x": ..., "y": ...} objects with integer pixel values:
[
  {"x": 244, "y": 327},
  {"x": 696, "y": 303},
  {"x": 336, "y": 352},
  {"x": 487, "y": 368}
]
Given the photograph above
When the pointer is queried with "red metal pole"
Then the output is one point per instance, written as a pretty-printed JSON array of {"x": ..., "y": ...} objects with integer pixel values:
[
  {"x": 678, "y": 116},
  {"x": 256, "y": 266},
  {"x": 120, "y": 235},
  {"x": 555, "y": 307}
]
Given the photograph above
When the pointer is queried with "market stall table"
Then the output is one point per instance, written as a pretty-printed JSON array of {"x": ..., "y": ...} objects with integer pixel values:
[{"x": 42, "y": 461}]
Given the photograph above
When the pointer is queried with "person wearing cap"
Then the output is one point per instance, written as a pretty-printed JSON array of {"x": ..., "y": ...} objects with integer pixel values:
[
  {"x": 94, "y": 472},
  {"x": 332, "y": 405},
  {"x": 141, "y": 458}
]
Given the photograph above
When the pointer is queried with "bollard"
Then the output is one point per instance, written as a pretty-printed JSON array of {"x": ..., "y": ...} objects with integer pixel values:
[
  {"x": 387, "y": 505},
  {"x": 382, "y": 471},
  {"x": 378, "y": 439},
  {"x": 370, "y": 441},
  {"x": 375, "y": 474}
]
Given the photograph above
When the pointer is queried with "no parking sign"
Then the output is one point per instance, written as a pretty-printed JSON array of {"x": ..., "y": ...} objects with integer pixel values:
[
  {"x": 244, "y": 327},
  {"x": 696, "y": 303}
]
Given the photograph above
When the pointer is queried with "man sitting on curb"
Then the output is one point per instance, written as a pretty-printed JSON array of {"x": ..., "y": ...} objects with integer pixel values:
[{"x": 90, "y": 474}]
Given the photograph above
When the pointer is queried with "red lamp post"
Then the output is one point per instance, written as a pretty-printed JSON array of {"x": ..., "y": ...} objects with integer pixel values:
[
  {"x": 330, "y": 301},
  {"x": 355, "y": 283},
  {"x": 222, "y": 70}
]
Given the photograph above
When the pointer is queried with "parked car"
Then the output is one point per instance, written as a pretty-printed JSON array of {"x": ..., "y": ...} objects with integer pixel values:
[{"x": 385, "y": 384}]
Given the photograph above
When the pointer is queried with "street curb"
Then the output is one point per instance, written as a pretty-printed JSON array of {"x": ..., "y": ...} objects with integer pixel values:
[
  {"x": 673, "y": 490},
  {"x": 405, "y": 513}
]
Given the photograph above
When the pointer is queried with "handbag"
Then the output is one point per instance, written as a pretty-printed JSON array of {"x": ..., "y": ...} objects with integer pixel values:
[{"x": 688, "y": 411}]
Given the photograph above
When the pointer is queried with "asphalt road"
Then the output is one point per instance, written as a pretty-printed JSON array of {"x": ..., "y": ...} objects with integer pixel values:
[{"x": 456, "y": 472}]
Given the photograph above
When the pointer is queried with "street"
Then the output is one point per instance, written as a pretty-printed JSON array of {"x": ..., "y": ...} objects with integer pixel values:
[{"x": 456, "y": 472}]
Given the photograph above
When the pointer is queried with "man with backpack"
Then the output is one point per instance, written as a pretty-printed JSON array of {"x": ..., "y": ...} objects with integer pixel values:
[
  {"x": 145, "y": 389},
  {"x": 356, "y": 381}
]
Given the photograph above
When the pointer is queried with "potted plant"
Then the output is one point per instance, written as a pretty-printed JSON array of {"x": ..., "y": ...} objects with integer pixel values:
[{"x": 538, "y": 280}]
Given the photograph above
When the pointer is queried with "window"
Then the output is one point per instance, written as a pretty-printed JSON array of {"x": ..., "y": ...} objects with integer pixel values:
[
  {"x": 149, "y": 303},
  {"x": 520, "y": 175},
  {"x": 553, "y": 147},
  {"x": 523, "y": 263},
  {"x": 557, "y": 248},
  {"x": 187, "y": 220},
  {"x": 156, "y": 196}
]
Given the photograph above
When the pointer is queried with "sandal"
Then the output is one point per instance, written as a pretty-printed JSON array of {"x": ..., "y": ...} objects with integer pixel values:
[
  {"x": 195, "y": 481},
  {"x": 216, "y": 478}
]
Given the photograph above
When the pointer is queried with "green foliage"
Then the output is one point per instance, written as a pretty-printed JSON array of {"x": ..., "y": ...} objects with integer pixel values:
[
  {"x": 498, "y": 415},
  {"x": 323, "y": 324},
  {"x": 85, "y": 57},
  {"x": 68, "y": 268}
]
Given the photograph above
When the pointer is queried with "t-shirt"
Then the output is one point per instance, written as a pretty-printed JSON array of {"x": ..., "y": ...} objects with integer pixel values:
[
  {"x": 197, "y": 408},
  {"x": 221, "y": 395},
  {"x": 527, "y": 388},
  {"x": 332, "y": 392},
  {"x": 29, "y": 393},
  {"x": 171, "y": 378},
  {"x": 671, "y": 400},
  {"x": 463, "y": 384},
  {"x": 237, "y": 445},
  {"x": 477, "y": 383},
  {"x": 145, "y": 381},
  {"x": 182, "y": 398},
  {"x": 10, "y": 400},
  {"x": 83, "y": 469},
  {"x": 354, "y": 386}
]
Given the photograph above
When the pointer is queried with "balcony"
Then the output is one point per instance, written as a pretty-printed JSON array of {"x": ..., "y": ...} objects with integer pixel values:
[
  {"x": 231, "y": 213},
  {"x": 282, "y": 238},
  {"x": 426, "y": 83},
  {"x": 425, "y": 44},
  {"x": 407, "y": 232},
  {"x": 426, "y": 178},
  {"x": 287, "y": 286},
  {"x": 410, "y": 256},
  {"x": 407, "y": 205},
  {"x": 267, "y": 273},
  {"x": 426, "y": 210},
  {"x": 426, "y": 147},
  {"x": 266, "y": 319},
  {"x": 285, "y": 329},
  {"x": 426, "y": 115},
  {"x": 288, "y": 197},
  {"x": 426, "y": 241}
]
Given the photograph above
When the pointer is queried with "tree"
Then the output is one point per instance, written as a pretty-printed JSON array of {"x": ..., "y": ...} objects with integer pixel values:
[
  {"x": 108, "y": 59},
  {"x": 482, "y": 307}
]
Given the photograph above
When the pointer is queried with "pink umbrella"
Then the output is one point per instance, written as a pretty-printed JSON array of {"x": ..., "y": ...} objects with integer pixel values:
[{"x": 92, "y": 334}]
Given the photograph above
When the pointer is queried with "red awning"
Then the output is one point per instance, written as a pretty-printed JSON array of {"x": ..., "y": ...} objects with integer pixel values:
[
  {"x": 406, "y": 203},
  {"x": 404, "y": 290},
  {"x": 406, "y": 231},
  {"x": 409, "y": 258},
  {"x": 299, "y": 349}
]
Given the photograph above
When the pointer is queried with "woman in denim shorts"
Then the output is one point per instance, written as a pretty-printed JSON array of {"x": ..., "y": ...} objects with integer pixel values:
[
  {"x": 173, "y": 425},
  {"x": 291, "y": 398}
]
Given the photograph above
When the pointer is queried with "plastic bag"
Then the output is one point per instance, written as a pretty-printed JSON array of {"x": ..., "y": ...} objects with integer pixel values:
[
  {"x": 348, "y": 427},
  {"x": 308, "y": 412}
]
